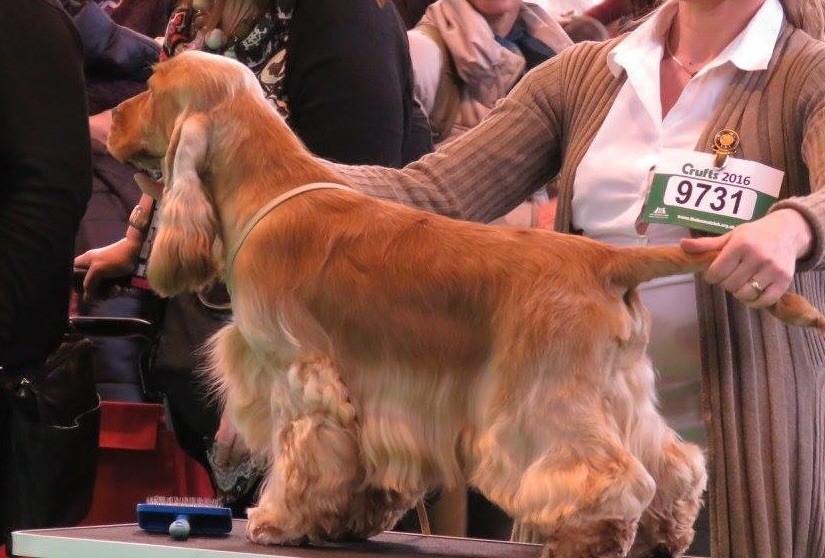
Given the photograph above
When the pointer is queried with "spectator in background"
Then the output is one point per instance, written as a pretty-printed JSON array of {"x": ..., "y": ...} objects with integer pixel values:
[
  {"x": 340, "y": 73},
  {"x": 117, "y": 60},
  {"x": 45, "y": 166},
  {"x": 468, "y": 54}
]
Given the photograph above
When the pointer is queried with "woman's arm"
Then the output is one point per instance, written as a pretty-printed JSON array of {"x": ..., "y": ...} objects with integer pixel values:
[
  {"x": 492, "y": 168},
  {"x": 99, "y": 126},
  {"x": 119, "y": 258},
  {"x": 812, "y": 207}
]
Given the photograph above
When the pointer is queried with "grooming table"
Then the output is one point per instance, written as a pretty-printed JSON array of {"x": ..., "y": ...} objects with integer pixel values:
[{"x": 128, "y": 541}]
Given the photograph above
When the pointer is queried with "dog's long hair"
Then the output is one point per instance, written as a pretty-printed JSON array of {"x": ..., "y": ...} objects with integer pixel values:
[
  {"x": 377, "y": 352},
  {"x": 183, "y": 253}
]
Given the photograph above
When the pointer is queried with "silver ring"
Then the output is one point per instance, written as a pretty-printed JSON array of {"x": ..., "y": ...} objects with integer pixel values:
[{"x": 756, "y": 286}]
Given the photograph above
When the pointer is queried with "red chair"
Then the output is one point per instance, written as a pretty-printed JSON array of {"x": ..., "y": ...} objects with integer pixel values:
[{"x": 138, "y": 454}]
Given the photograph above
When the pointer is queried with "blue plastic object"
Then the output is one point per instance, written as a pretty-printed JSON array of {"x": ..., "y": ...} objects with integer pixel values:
[{"x": 184, "y": 520}]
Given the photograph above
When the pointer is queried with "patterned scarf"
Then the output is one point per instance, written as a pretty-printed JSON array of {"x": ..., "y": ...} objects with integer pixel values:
[
  {"x": 520, "y": 41},
  {"x": 263, "y": 49}
]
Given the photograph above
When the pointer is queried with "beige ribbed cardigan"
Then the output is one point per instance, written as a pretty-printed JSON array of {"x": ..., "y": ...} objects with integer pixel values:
[{"x": 762, "y": 381}]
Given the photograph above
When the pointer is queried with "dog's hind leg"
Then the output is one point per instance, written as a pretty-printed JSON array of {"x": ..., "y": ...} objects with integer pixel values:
[
  {"x": 582, "y": 491},
  {"x": 584, "y": 504},
  {"x": 666, "y": 528},
  {"x": 315, "y": 470}
]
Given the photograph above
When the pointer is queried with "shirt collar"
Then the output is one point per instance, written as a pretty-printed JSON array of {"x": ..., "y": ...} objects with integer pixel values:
[
  {"x": 757, "y": 41},
  {"x": 751, "y": 50}
]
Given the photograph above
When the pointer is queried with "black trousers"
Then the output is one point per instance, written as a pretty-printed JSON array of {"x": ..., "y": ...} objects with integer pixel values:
[{"x": 5, "y": 453}]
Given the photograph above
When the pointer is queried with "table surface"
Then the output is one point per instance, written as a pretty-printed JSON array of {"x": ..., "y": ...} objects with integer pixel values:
[{"x": 129, "y": 541}]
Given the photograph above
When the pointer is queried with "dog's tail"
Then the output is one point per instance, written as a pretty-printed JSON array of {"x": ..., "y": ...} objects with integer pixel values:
[{"x": 627, "y": 267}]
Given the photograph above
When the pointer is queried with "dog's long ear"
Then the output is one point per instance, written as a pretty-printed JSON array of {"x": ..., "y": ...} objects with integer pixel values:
[{"x": 182, "y": 253}]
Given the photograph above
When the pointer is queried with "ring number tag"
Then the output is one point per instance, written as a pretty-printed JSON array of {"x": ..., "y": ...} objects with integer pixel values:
[{"x": 687, "y": 190}]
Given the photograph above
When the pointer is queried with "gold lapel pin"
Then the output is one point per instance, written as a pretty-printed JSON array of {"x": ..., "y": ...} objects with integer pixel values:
[{"x": 725, "y": 143}]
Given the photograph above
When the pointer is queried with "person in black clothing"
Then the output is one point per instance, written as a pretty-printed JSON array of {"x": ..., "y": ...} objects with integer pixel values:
[
  {"x": 349, "y": 84},
  {"x": 45, "y": 181},
  {"x": 45, "y": 165},
  {"x": 412, "y": 10},
  {"x": 339, "y": 71}
]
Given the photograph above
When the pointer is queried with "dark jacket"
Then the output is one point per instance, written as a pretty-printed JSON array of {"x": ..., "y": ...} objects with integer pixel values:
[
  {"x": 118, "y": 60},
  {"x": 412, "y": 10},
  {"x": 45, "y": 174},
  {"x": 351, "y": 94}
]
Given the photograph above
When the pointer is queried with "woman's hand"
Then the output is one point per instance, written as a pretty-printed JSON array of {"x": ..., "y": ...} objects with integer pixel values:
[
  {"x": 230, "y": 447},
  {"x": 149, "y": 187},
  {"x": 115, "y": 260},
  {"x": 546, "y": 215},
  {"x": 757, "y": 260},
  {"x": 99, "y": 126}
]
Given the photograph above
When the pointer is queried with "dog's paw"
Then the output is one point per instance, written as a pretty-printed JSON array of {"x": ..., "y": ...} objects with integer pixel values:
[
  {"x": 657, "y": 551},
  {"x": 599, "y": 539},
  {"x": 265, "y": 528},
  {"x": 663, "y": 537}
]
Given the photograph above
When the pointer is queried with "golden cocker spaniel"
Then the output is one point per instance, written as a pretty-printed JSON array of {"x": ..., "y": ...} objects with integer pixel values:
[{"x": 378, "y": 352}]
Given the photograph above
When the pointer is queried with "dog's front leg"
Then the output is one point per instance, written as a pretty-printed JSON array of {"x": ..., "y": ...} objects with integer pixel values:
[
  {"x": 315, "y": 469},
  {"x": 244, "y": 382}
]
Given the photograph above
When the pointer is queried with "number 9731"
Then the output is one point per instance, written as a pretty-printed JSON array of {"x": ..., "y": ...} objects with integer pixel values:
[{"x": 710, "y": 197}]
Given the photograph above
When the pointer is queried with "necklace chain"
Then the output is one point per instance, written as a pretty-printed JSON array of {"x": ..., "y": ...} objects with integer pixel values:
[{"x": 683, "y": 65}]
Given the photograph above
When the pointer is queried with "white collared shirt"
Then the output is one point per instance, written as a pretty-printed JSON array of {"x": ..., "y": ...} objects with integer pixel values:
[
  {"x": 611, "y": 184},
  {"x": 611, "y": 180}
]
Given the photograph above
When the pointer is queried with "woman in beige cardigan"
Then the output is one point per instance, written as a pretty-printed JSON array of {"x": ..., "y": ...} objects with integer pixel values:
[{"x": 762, "y": 384}]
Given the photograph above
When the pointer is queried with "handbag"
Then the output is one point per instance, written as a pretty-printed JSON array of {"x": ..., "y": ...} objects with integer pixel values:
[{"x": 52, "y": 422}]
